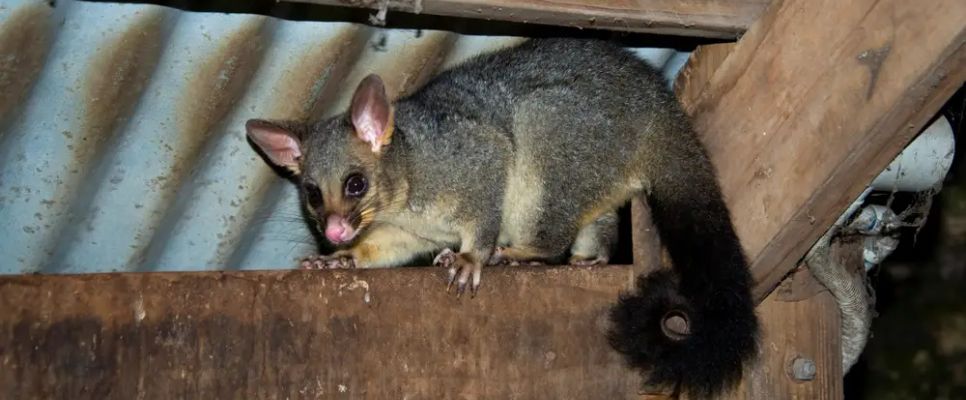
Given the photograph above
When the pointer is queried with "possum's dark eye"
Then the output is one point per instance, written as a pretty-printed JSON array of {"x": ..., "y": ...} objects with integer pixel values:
[
  {"x": 312, "y": 194},
  {"x": 356, "y": 185}
]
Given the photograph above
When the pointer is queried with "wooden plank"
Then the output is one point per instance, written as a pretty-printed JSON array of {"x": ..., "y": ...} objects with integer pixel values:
[
  {"x": 649, "y": 255},
  {"x": 802, "y": 320},
  {"x": 813, "y": 102},
  {"x": 354, "y": 334},
  {"x": 702, "y": 63},
  {"x": 805, "y": 324},
  {"x": 707, "y": 18},
  {"x": 807, "y": 330},
  {"x": 532, "y": 333}
]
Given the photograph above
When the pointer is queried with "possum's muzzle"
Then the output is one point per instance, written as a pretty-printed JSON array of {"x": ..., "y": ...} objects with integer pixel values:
[{"x": 338, "y": 229}]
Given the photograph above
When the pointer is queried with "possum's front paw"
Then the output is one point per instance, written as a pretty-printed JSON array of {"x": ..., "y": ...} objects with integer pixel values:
[
  {"x": 462, "y": 271},
  {"x": 334, "y": 261}
]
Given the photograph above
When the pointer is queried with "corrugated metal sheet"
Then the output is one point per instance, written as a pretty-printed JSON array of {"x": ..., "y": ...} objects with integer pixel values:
[{"x": 122, "y": 143}]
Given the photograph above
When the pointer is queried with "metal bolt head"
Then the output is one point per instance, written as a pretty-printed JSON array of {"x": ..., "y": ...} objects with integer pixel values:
[{"x": 803, "y": 369}]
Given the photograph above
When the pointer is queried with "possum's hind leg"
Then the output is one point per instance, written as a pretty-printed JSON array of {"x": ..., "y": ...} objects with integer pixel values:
[
  {"x": 548, "y": 244},
  {"x": 595, "y": 241},
  {"x": 519, "y": 255}
]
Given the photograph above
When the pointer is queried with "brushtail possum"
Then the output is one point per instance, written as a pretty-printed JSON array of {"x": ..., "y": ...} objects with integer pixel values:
[{"x": 525, "y": 155}]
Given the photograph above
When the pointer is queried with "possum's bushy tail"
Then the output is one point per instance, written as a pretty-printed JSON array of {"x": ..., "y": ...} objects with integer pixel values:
[{"x": 709, "y": 287}]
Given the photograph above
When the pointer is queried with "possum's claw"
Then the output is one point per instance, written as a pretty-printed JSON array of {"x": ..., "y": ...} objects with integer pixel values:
[
  {"x": 335, "y": 261},
  {"x": 460, "y": 271},
  {"x": 445, "y": 258},
  {"x": 469, "y": 275},
  {"x": 464, "y": 276}
]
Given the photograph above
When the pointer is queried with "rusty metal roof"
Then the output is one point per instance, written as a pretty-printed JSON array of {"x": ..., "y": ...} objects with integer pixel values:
[{"x": 122, "y": 143}]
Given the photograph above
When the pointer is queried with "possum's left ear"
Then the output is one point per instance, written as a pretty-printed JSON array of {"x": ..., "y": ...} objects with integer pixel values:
[
  {"x": 372, "y": 115},
  {"x": 279, "y": 141}
]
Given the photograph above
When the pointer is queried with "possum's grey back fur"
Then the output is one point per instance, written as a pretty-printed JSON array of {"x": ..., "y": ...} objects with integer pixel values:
[{"x": 579, "y": 115}]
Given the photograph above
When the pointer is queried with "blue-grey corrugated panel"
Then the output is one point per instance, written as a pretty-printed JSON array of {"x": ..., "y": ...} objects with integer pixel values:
[{"x": 122, "y": 143}]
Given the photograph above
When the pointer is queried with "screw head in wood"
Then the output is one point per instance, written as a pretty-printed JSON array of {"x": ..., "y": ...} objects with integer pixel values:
[
  {"x": 675, "y": 325},
  {"x": 803, "y": 369}
]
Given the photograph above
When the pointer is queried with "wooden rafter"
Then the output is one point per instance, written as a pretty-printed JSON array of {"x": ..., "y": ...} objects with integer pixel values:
[
  {"x": 707, "y": 18},
  {"x": 532, "y": 332},
  {"x": 811, "y": 104}
]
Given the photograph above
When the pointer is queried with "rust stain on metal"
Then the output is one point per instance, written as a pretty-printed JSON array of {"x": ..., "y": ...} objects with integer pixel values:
[
  {"x": 212, "y": 93},
  {"x": 115, "y": 81},
  {"x": 420, "y": 64},
  {"x": 215, "y": 89},
  {"x": 24, "y": 43},
  {"x": 309, "y": 89}
]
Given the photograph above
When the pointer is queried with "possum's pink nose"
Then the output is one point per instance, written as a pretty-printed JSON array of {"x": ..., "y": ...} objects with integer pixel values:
[{"x": 338, "y": 230}]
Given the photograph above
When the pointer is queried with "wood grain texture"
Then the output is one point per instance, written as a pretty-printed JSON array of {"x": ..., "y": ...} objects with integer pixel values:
[
  {"x": 694, "y": 76},
  {"x": 530, "y": 334},
  {"x": 846, "y": 251},
  {"x": 649, "y": 255},
  {"x": 800, "y": 284},
  {"x": 813, "y": 102},
  {"x": 809, "y": 329},
  {"x": 706, "y": 18}
]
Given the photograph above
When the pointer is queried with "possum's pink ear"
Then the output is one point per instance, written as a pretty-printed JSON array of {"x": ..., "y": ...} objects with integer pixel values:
[
  {"x": 279, "y": 141},
  {"x": 371, "y": 113}
]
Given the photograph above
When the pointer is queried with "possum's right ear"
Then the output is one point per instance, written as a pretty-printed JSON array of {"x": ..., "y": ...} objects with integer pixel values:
[
  {"x": 372, "y": 113},
  {"x": 279, "y": 142}
]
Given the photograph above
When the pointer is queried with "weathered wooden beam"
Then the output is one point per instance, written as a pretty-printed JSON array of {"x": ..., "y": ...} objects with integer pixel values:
[
  {"x": 355, "y": 334},
  {"x": 707, "y": 18},
  {"x": 648, "y": 252},
  {"x": 532, "y": 333},
  {"x": 694, "y": 76},
  {"x": 803, "y": 331},
  {"x": 813, "y": 102},
  {"x": 797, "y": 338}
]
